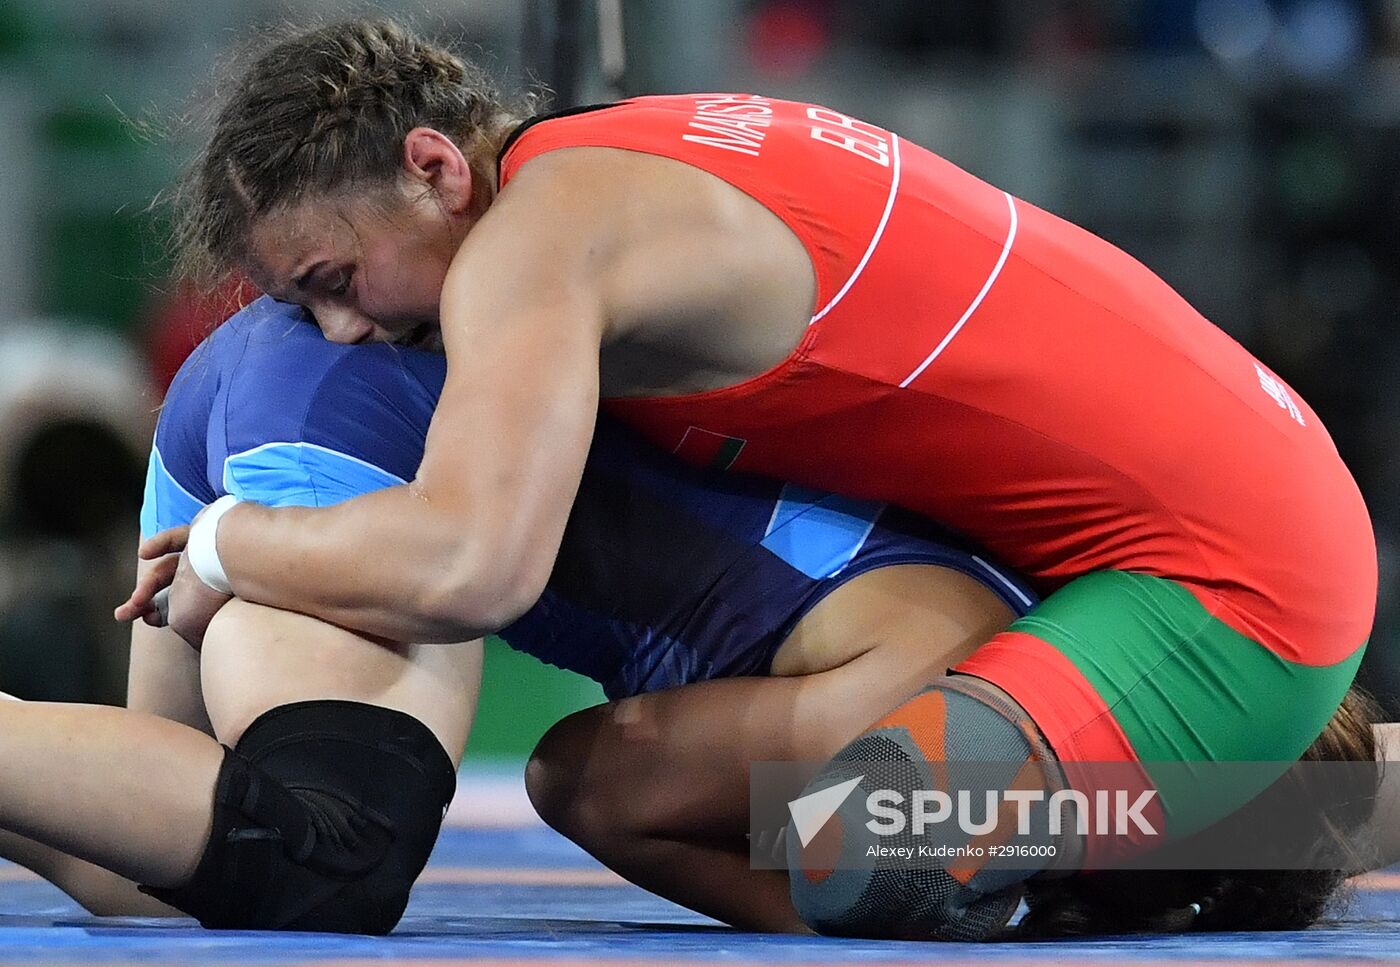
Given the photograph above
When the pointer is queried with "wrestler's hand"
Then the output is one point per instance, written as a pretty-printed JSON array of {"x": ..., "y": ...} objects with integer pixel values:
[
  {"x": 159, "y": 557},
  {"x": 191, "y": 606},
  {"x": 168, "y": 592}
]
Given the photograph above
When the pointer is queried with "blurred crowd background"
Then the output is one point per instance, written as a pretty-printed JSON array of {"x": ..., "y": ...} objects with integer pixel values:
[{"x": 1247, "y": 150}]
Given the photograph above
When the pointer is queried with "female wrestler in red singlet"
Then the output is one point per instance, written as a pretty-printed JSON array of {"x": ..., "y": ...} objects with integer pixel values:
[{"x": 779, "y": 288}]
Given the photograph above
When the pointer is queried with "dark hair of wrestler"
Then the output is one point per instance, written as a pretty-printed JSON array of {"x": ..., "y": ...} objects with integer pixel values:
[
  {"x": 1172, "y": 901},
  {"x": 324, "y": 113}
]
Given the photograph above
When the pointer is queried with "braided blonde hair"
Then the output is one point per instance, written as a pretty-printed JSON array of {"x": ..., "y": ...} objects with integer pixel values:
[{"x": 321, "y": 112}]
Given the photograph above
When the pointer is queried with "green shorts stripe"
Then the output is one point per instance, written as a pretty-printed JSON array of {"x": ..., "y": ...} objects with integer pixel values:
[{"x": 1185, "y": 687}]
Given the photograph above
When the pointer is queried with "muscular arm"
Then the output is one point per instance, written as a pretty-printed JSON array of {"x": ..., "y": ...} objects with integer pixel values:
[
  {"x": 690, "y": 283},
  {"x": 468, "y": 545}
]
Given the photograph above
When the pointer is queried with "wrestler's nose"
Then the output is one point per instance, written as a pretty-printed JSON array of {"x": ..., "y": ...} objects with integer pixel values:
[{"x": 343, "y": 325}]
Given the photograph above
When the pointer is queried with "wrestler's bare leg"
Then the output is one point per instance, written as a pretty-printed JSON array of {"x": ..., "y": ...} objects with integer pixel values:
[
  {"x": 117, "y": 791},
  {"x": 656, "y": 786}
]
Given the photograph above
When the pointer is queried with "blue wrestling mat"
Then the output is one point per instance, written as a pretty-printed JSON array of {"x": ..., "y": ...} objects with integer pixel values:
[{"x": 498, "y": 892}]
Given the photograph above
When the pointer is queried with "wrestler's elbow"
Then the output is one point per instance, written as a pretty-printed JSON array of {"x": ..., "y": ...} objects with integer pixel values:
[{"x": 481, "y": 593}]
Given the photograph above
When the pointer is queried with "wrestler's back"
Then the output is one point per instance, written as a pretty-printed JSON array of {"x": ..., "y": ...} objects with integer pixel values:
[{"x": 992, "y": 366}]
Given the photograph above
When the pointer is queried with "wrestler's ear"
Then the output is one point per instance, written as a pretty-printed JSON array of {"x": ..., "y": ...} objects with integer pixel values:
[{"x": 433, "y": 159}]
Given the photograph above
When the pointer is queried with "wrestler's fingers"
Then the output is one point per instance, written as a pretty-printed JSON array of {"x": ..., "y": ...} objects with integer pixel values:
[
  {"x": 149, "y": 581},
  {"x": 166, "y": 542}
]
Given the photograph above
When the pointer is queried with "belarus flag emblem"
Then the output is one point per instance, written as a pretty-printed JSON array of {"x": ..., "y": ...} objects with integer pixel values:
[{"x": 715, "y": 451}]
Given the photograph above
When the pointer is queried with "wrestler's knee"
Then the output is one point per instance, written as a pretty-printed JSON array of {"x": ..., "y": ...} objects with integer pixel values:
[
  {"x": 551, "y": 773},
  {"x": 324, "y": 815},
  {"x": 571, "y": 790},
  {"x": 595, "y": 797}
]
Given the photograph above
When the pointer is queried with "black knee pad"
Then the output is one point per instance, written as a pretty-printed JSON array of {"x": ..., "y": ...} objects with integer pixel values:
[{"x": 324, "y": 815}]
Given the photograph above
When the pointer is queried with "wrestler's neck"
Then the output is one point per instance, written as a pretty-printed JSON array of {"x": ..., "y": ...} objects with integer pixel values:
[{"x": 488, "y": 182}]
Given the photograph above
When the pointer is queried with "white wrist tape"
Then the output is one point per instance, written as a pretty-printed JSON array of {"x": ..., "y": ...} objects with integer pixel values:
[{"x": 203, "y": 549}]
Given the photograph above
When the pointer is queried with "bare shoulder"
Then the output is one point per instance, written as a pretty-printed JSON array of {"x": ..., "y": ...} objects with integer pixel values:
[
  {"x": 702, "y": 285},
  {"x": 557, "y": 208},
  {"x": 627, "y": 186}
]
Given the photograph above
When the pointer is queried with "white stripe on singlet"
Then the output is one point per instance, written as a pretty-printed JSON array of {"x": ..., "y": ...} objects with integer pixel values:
[
  {"x": 896, "y": 165},
  {"x": 991, "y": 280}
]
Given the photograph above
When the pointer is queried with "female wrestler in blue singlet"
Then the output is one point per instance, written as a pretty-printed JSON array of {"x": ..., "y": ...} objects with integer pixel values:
[{"x": 667, "y": 578}]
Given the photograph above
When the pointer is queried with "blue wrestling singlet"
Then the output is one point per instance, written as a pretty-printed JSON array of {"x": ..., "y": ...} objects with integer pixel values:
[{"x": 667, "y": 575}]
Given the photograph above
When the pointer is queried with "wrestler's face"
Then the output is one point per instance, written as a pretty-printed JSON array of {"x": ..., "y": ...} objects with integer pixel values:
[
  {"x": 367, "y": 272},
  {"x": 370, "y": 264}
]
